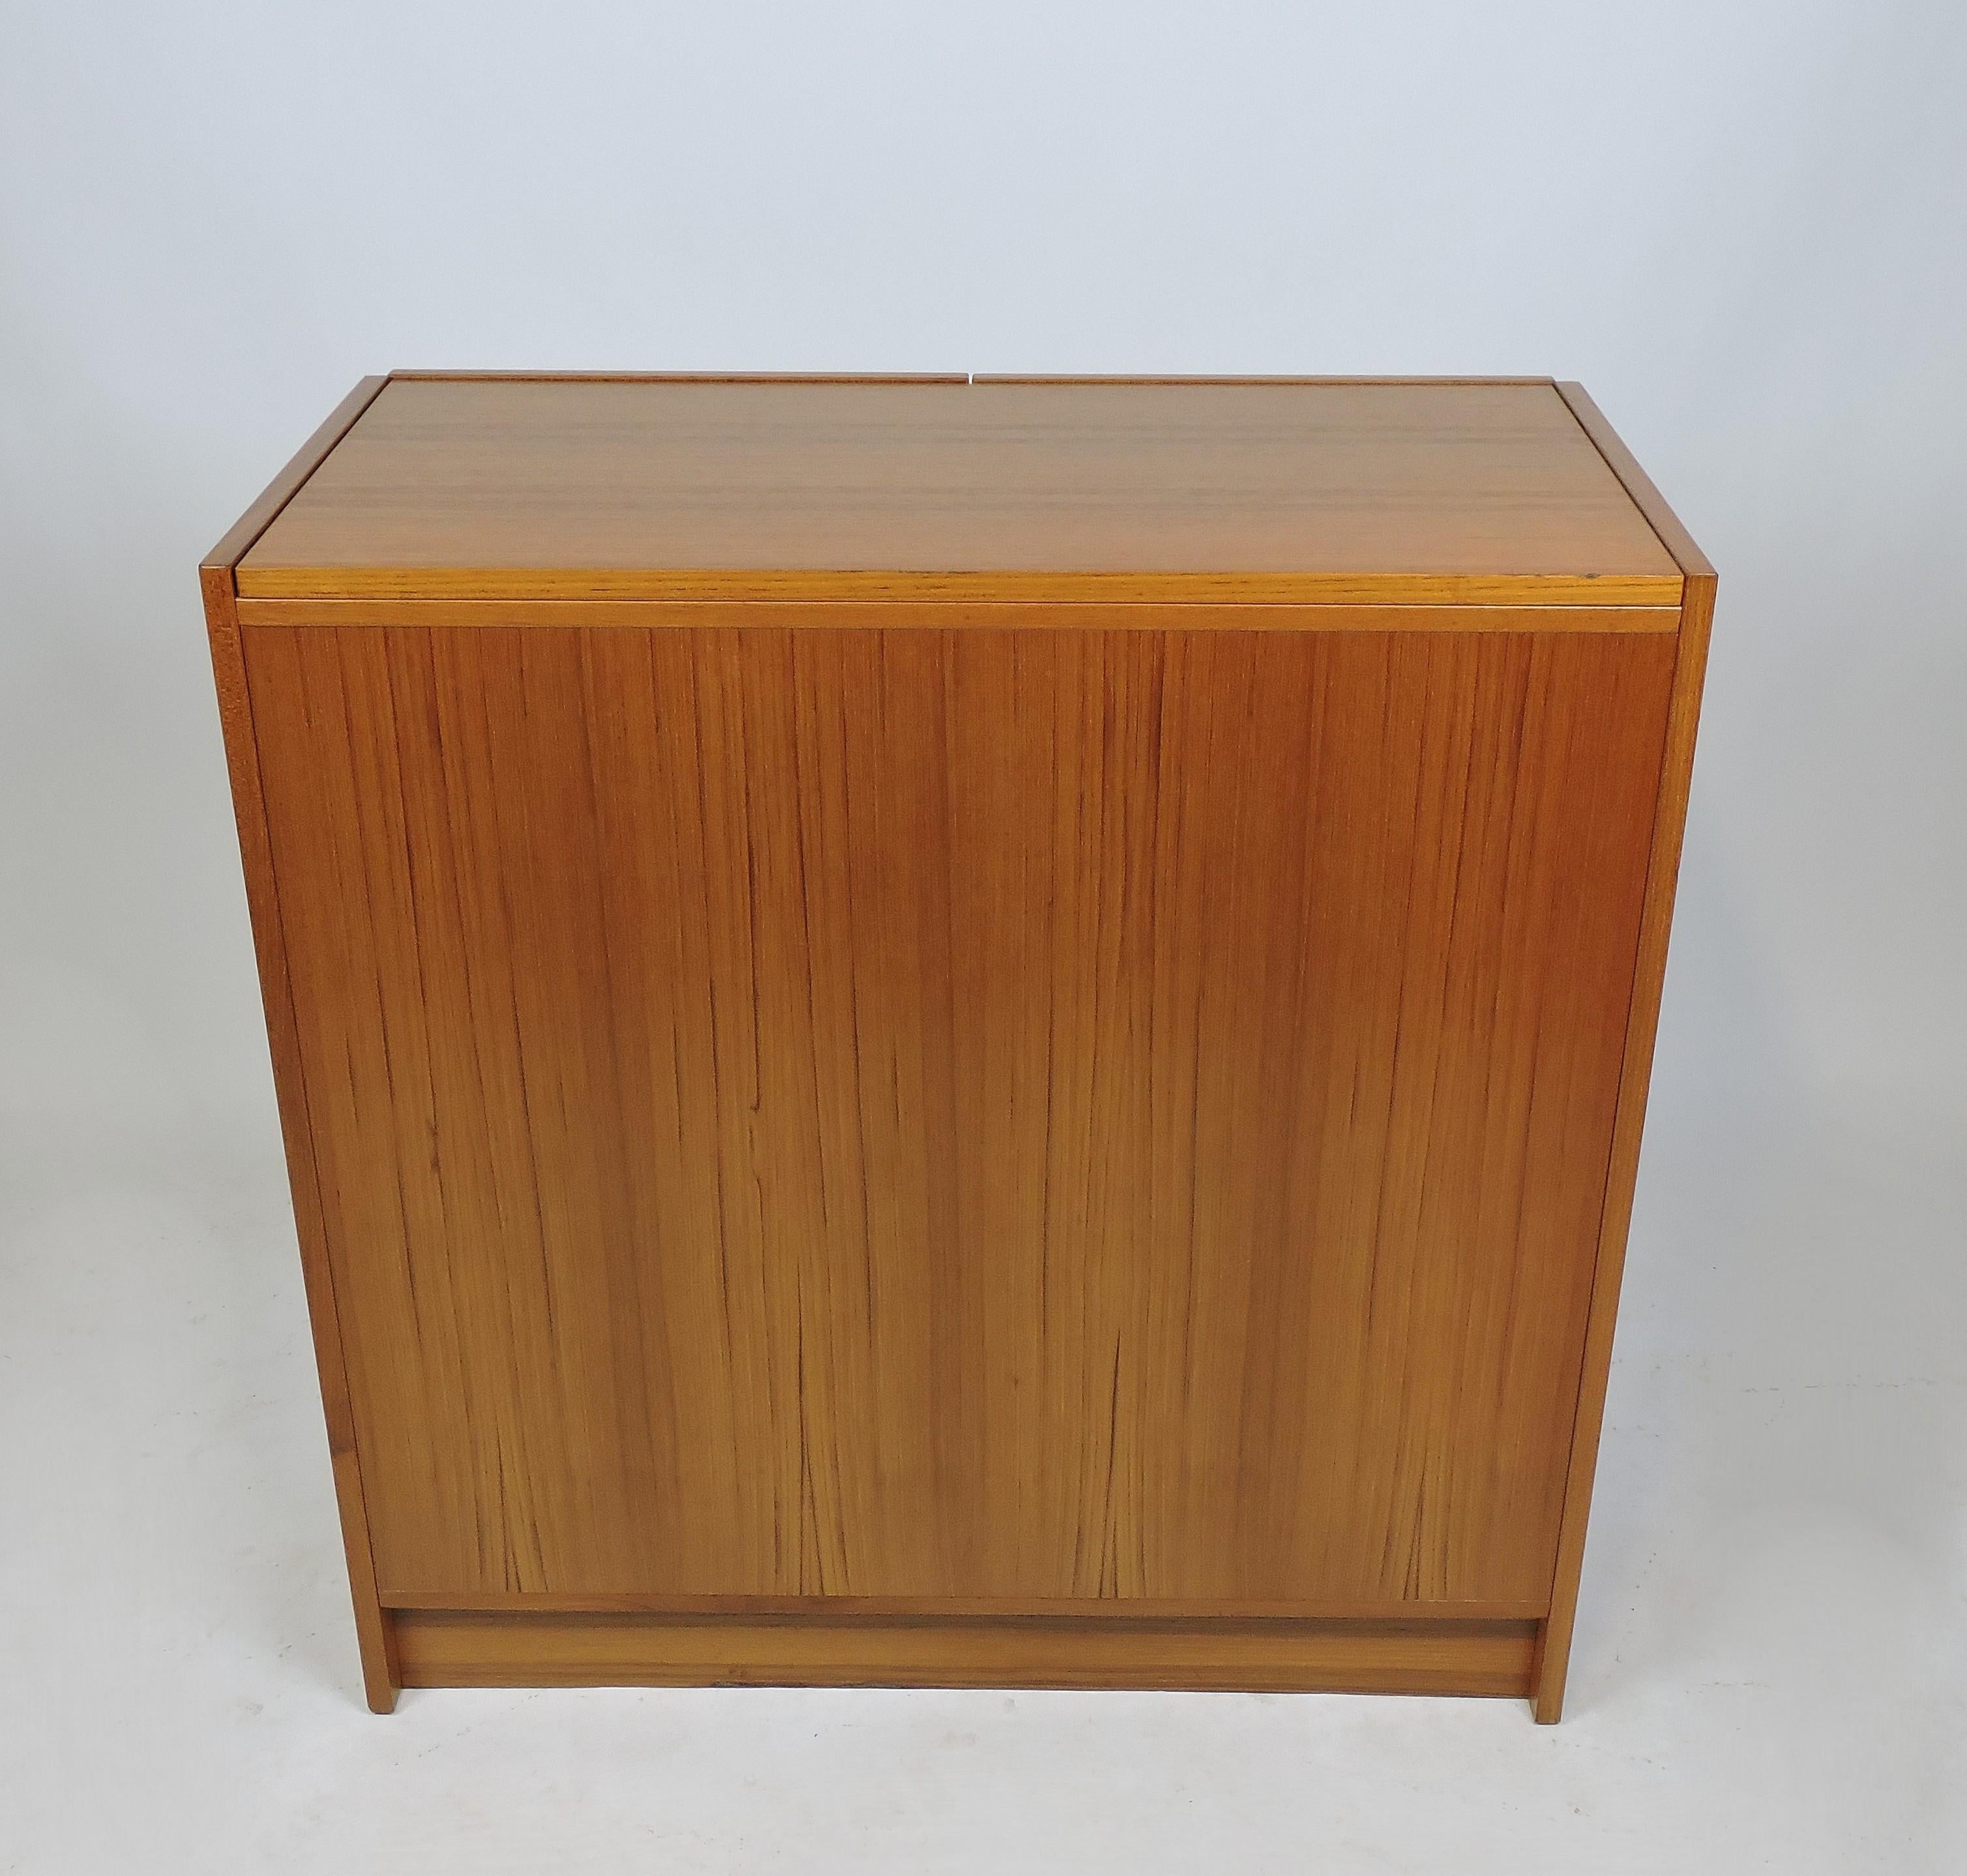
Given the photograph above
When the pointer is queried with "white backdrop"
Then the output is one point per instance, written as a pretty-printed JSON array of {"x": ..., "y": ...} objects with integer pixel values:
[{"x": 1744, "y": 226}]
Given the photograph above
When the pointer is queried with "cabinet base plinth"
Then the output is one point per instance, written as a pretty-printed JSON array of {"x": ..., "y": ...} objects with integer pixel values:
[{"x": 441, "y": 1648}]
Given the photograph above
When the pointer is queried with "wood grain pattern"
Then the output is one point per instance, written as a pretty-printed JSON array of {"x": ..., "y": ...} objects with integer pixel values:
[
  {"x": 1669, "y": 827},
  {"x": 460, "y": 1650},
  {"x": 1649, "y": 980},
  {"x": 770, "y": 585},
  {"x": 1013, "y": 1116},
  {"x": 911, "y": 1608},
  {"x": 380, "y": 1674},
  {"x": 1289, "y": 492},
  {"x": 956, "y": 615},
  {"x": 288, "y": 483},
  {"x": 1638, "y": 486},
  {"x": 1037, "y": 1082}
]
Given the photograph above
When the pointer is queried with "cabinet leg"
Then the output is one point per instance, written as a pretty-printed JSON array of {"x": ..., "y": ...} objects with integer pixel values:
[
  {"x": 1553, "y": 1662},
  {"x": 382, "y": 1678}
]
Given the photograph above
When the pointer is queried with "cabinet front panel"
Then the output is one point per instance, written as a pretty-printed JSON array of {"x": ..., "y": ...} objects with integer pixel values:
[{"x": 961, "y": 1115}]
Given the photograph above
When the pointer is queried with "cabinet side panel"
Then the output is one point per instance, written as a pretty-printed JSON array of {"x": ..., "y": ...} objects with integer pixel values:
[
  {"x": 1007, "y": 1116},
  {"x": 1669, "y": 827},
  {"x": 380, "y": 1673}
]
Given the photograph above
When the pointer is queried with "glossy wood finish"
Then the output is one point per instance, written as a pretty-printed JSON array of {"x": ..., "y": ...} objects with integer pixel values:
[
  {"x": 1392, "y": 493},
  {"x": 453, "y": 1650},
  {"x": 929, "y": 1138}
]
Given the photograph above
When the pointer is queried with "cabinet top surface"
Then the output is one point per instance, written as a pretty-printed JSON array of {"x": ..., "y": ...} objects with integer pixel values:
[{"x": 1360, "y": 492}]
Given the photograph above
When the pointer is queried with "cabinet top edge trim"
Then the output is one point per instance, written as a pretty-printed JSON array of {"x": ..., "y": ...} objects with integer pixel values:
[
  {"x": 240, "y": 539},
  {"x": 781, "y": 613},
  {"x": 574, "y": 585},
  {"x": 1639, "y": 487}
]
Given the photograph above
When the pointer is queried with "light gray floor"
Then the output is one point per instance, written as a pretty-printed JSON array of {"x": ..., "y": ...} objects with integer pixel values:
[{"x": 1769, "y": 1671}]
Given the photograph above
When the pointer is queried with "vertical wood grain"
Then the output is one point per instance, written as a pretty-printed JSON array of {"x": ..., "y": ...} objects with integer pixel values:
[
  {"x": 1017, "y": 1116},
  {"x": 1669, "y": 827},
  {"x": 375, "y": 1635},
  {"x": 1697, "y": 616},
  {"x": 380, "y": 1671}
]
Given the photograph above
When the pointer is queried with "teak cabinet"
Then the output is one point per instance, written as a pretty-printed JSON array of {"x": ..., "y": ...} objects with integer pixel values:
[{"x": 962, "y": 1031}]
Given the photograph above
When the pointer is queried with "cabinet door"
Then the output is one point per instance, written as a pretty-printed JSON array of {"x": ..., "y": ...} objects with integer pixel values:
[{"x": 1006, "y": 1116}]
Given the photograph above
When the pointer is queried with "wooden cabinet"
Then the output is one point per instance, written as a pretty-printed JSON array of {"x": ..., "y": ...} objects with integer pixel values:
[{"x": 935, "y": 1031}]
